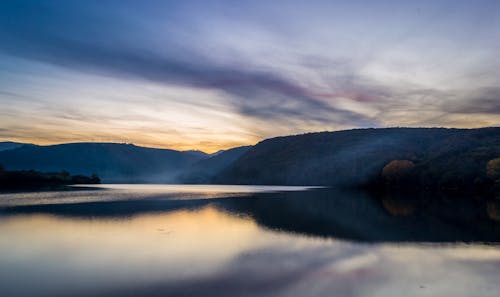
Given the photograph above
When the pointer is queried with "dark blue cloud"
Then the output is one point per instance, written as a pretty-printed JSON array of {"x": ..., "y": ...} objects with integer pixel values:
[
  {"x": 94, "y": 37},
  {"x": 161, "y": 41}
]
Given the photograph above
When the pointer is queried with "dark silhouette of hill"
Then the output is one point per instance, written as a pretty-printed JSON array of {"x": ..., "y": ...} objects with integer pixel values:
[
  {"x": 205, "y": 170},
  {"x": 391, "y": 157},
  {"x": 9, "y": 145},
  {"x": 112, "y": 162},
  {"x": 197, "y": 153},
  {"x": 450, "y": 158}
]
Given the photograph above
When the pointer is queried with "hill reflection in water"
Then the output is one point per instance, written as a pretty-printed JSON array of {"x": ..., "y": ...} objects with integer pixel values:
[
  {"x": 351, "y": 215},
  {"x": 320, "y": 242}
]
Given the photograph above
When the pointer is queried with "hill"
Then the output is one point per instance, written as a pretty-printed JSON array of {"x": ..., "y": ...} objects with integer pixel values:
[
  {"x": 452, "y": 158},
  {"x": 9, "y": 145},
  {"x": 389, "y": 157},
  {"x": 205, "y": 170},
  {"x": 112, "y": 162}
]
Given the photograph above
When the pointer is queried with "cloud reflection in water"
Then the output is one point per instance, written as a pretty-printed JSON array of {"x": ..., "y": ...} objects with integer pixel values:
[{"x": 230, "y": 247}]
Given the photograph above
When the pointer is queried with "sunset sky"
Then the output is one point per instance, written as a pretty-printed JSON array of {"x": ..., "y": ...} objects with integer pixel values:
[{"x": 211, "y": 75}]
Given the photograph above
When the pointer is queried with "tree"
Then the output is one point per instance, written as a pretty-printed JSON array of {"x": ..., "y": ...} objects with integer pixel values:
[
  {"x": 493, "y": 209},
  {"x": 493, "y": 169},
  {"x": 94, "y": 179},
  {"x": 397, "y": 171}
]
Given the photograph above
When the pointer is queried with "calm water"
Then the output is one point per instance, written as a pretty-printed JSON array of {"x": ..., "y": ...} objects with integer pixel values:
[{"x": 151, "y": 240}]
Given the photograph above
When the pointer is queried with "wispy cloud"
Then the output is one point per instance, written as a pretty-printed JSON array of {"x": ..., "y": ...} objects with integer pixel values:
[
  {"x": 256, "y": 93},
  {"x": 280, "y": 67}
]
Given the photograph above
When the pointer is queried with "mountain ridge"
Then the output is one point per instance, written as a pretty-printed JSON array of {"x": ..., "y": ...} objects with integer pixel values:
[
  {"x": 113, "y": 162},
  {"x": 356, "y": 157},
  {"x": 441, "y": 157}
]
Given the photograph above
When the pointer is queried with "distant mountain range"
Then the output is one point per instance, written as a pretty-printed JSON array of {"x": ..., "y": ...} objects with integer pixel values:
[
  {"x": 438, "y": 157},
  {"x": 112, "y": 162},
  {"x": 118, "y": 163},
  {"x": 204, "y": 171}
]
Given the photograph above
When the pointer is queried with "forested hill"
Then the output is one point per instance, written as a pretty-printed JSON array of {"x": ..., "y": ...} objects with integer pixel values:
[
  {"x": 112, "y": 162},
  {"x": 203, "y": 172},
  {"x": 9, "y": 145},
  {"x": 395, "y": 157},
  {"x": 433, "y": 157}
]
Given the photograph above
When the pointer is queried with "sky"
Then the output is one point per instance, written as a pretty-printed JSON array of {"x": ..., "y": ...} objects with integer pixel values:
[{"x": 215, "y": 74}]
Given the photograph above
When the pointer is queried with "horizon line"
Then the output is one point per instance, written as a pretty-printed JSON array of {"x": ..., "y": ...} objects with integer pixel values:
[{"x": 209, "y": 152}]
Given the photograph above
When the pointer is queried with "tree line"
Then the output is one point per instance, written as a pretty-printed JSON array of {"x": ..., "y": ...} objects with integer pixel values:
[{"x": 34, "y": 179}]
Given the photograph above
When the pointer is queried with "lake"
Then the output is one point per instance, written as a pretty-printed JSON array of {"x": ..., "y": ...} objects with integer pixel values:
[{"x": 196, "y": 240}]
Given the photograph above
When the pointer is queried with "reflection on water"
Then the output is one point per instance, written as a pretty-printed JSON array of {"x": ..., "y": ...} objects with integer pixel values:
[
  {"x": 493, "y": 208},
  {"x": 137, "y": 192},
  {"x": 157, "y": 241}
]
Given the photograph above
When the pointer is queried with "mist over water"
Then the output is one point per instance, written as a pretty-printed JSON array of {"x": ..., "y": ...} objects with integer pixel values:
[{"x": 181, "y": 240}]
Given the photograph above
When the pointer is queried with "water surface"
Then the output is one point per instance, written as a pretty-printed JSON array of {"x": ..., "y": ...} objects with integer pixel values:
[{"x": 153, "y": 240}]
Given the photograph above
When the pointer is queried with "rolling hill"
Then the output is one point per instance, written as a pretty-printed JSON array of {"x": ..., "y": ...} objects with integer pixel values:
[
  {"x": 9, "y": 145},
  {"x": 426, "y": 157},
  {"x": 442, "y": 157},
  {"x": 205, "y": 170},
  {"x": 112, "y": 162}
]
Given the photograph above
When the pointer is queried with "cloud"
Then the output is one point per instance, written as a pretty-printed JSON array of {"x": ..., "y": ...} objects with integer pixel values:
[
  {"x": 71, "y": 40},
  {"x": 276, "y": 68},
  {"x": 478, "y": 101}
]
